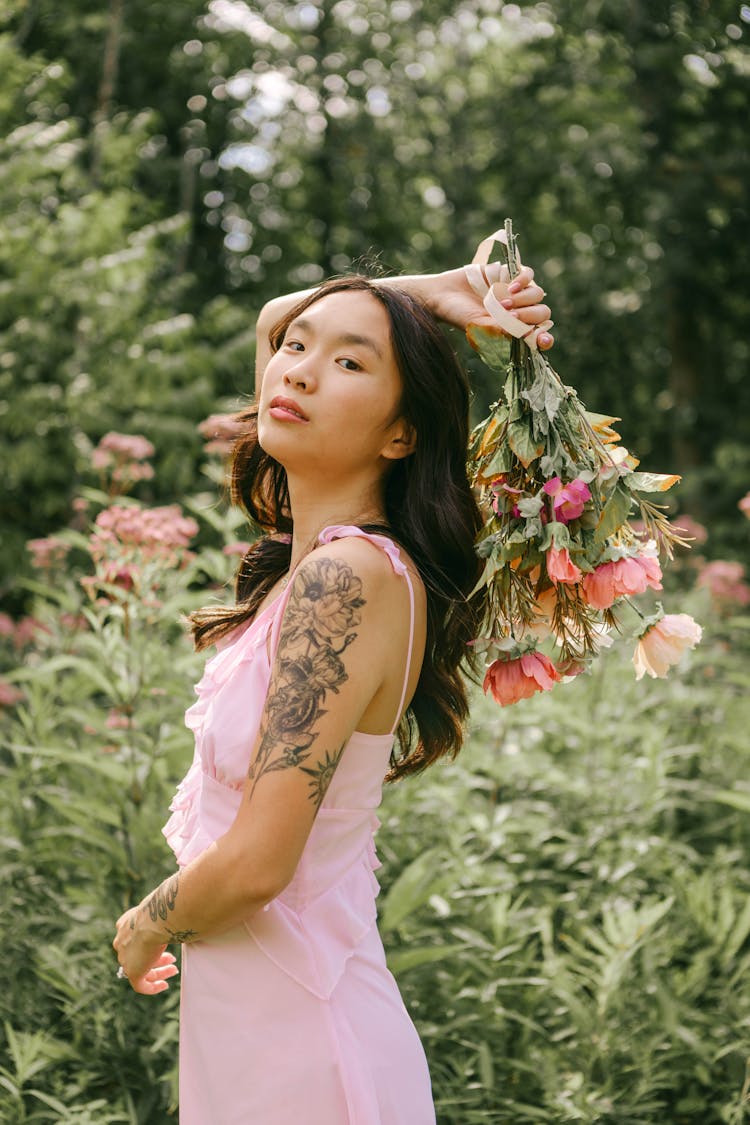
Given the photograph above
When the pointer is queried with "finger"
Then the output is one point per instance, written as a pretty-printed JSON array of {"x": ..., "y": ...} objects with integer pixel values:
[
  {"x": 523, "y": 278},
  {"x": 533, "y": 314},
  {"x": 162, "y": 972},
  {"x": 145, "y": 987},
  {"x": 544, "y": 341},
  {"x": 166, "y": 958},
  {"x": 531, "y": 295}
]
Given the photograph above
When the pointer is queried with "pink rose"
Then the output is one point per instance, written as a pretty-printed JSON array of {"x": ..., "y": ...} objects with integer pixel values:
[
  {"x": 623, "y": 577},
  {"x": 568, "y": 500},
  {"x": 559, "y": 566},
  {"x": 663, "y": 644},
  {"x": 512, "y": 680}
]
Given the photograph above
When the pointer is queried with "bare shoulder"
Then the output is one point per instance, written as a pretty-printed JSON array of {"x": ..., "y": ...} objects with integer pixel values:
[{"x": 354, "y": 567}]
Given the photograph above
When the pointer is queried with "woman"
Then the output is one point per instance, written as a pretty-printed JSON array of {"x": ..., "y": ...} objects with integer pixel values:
[{"x": 351, "y": 620}]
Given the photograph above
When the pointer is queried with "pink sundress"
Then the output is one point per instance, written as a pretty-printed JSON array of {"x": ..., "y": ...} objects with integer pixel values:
[{"x": 292, "y": 1018}]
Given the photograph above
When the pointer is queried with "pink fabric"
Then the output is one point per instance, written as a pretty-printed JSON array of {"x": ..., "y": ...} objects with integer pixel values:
[{"x": 292, "y": 1018}]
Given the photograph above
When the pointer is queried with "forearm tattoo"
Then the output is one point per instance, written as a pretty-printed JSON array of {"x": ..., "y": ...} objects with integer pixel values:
[
  {"x": 319, "y": 624},
  {"x": 160, "y": 905}
]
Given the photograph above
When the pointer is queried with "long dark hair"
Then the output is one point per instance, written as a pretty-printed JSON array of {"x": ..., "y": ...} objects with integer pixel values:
[{"x": 430, "y": 508}]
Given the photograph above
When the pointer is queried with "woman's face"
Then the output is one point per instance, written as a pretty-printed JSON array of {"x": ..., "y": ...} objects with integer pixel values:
[{"x": 330, "y": 395}]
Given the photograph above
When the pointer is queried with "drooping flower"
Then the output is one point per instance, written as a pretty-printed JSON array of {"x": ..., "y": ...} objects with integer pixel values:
[
  {"x": 663, "y": 644},
  {"x": 568, "y": 500},
  {"x": 622, "y": 578},
  {"x": 559, "y": 566},
  {"x": 512, "y": 680}
]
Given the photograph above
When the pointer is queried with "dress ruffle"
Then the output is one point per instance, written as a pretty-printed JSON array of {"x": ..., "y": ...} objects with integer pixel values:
[{"x": 183, "y": 831}]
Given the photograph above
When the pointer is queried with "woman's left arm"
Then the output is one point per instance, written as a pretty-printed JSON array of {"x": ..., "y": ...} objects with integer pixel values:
[{"x": 331, "y": 660}]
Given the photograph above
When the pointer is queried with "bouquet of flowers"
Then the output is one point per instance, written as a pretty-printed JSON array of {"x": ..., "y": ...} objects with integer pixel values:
[{"x": 562, "y": 559}]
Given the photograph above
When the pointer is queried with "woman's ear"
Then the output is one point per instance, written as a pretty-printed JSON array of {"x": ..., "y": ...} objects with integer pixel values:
[{"x": 402, "y": 442}]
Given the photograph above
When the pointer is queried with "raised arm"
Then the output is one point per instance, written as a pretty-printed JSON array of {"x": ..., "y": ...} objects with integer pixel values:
[
  {"x": 333, "y": 659},
  {"x": 448, "y": 295}
]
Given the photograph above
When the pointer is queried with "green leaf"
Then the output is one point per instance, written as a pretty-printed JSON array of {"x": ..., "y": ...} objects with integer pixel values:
[
  {"x": 544, "y": 395},
  {"x": 651, "y": 482},
  {"x": 404, "y": 959},
  {"x": 493, "y": 345},
  {"x": 614, "y": 513},
  {"x": 523, "y": 444},
  {"x": 413, "y": 887}
]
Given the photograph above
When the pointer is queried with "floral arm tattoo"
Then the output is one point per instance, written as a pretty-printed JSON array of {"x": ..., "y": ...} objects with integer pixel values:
[
  {"x": 319, "y": 623},
  {"x": 160, "y": 905}
]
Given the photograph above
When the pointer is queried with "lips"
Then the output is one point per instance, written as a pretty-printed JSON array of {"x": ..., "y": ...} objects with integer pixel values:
[{"x": 288, "y": 405}]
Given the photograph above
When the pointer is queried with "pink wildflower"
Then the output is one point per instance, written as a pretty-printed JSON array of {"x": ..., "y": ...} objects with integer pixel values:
[
  {"x": 7, "y": 625},
  {"x": 559, "y": 566},
  {"x": 568, "y": 500},
  {"x": 26, "y": 631},
  {"x": 46, "y": 553},
  {"x": 725, "y": 582},
  {"x": 663, "y": 644},
  {"x": 621, "y": 578},
  {"x": 240, "y": 549},
  {"x": 9, "y": 694},
  {"x": 221, "y": 431},
  {"x": 124, "y": 457},
  {"x": 512, "y": 680},
  {"x": 117, "y": 721},
  {"x": 689, "y": 528},
  {"x": 121, "y": 447},
  {"x": 505, "y": 496},
  {"x": 744, "y": 505}
]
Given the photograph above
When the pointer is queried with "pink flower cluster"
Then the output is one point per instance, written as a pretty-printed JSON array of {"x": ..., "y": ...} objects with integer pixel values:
[
  {"x": 125, "y": 539},
  {"x": 124, "y": 457},
  {"x": 725, "y": 581},
  {"x": 46, "y": 553},
  {"x": 568, "y": 500},
  {"x": 744, "y": 505},
  {"x": 21, "y": 632},
  {"x": 220, "y": 432},
  {"x": 155, "y": 531},
  {"x": 9, "y": 694}
]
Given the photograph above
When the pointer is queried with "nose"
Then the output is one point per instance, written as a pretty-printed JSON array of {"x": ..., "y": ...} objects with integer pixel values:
[{"x": 300, "y": 374}]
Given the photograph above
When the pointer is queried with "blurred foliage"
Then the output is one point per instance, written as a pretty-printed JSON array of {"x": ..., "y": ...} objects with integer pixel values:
[
  {"x": 565, "y": 906},
  {"x": 166, "y": 168}
]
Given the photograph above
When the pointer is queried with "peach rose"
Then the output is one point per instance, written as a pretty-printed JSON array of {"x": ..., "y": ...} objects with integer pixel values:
[
  {"x": 559, "y": 566},
  {"x": 622, "y": 577},
  {"x": 512, "y": 680},
  {"x": 663, "y": 644}
]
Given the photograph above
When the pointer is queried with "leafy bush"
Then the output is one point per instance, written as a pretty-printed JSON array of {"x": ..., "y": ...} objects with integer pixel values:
[{"x": 565, "y": 906}]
